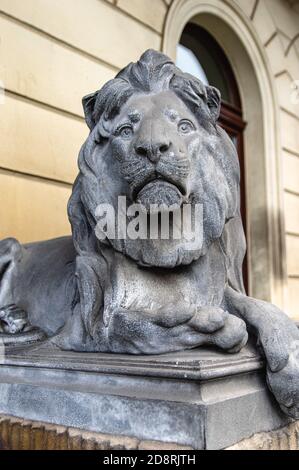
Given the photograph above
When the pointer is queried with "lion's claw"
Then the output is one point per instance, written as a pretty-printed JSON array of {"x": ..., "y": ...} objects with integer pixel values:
[
  {"x": 208, "y": 319},
  {"x": 13, "y": 320},
  {"x": 233, "y": 336}
]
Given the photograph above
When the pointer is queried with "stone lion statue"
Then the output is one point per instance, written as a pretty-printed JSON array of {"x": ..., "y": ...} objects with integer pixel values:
[{"x": 154, "y": 140}]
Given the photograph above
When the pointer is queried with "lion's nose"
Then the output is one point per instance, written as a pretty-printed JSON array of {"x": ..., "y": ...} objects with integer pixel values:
[{"x": 152, "y": 151}]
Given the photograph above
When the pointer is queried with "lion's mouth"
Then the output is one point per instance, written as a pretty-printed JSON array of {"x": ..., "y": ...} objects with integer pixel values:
[
  {"x": 159, "y": 179},
  {"x": 160, "y": 192}
]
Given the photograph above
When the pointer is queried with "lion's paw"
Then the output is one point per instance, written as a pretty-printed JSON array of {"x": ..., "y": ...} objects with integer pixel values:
[
  {"x": 223, "y": 330},
  {"x": 233, "y": 336},
  {"x": 13, "y": 320},
  {"x": 208, "y": 319},
  {"x": 284, "y": 384}
]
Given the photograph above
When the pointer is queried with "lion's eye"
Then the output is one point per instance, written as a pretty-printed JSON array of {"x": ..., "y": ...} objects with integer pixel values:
[
  {"x": 185, "y": 127},
  {"x": 126, "y": 132}
]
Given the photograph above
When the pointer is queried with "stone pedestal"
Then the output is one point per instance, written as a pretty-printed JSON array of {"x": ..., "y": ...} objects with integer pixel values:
[{"x": 201, "y": 398}]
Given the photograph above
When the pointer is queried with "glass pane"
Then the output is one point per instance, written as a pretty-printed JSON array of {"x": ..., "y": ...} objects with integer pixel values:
[
  {"x": 200, "y": 55},
  {"x": 187, "y": 62}
]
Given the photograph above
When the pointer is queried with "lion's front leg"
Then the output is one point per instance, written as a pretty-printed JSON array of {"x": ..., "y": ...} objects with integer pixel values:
[
  {"x": 279, "y": 339},
  {"x": 168, "y": 330}
]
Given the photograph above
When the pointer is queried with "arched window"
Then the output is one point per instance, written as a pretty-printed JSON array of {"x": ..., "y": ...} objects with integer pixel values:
[{"x": 200, "y": 55}]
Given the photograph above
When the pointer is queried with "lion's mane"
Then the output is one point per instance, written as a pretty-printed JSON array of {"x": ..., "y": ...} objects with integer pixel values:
[{"x": 153, "y": 73}]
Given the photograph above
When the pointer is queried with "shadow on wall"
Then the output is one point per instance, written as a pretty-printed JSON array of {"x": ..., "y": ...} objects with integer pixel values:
[{"x": 262, "y": 263}]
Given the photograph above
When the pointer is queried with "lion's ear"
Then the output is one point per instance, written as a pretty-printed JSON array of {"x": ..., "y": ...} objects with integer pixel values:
[
  {"x": 214, "y": 101},
  {"x": 88, "y": 103}
]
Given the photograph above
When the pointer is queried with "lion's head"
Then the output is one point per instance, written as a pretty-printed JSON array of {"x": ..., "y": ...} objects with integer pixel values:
[{"x": 154, "y": 139}]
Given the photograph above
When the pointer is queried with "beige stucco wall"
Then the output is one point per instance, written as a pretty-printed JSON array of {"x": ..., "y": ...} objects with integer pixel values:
[{"x": 53, "y": 52}]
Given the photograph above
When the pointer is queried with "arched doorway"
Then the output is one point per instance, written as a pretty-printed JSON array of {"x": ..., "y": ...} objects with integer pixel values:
[
  {"x": 199, "y": 53},
  {"x": 230, "y": 27}
]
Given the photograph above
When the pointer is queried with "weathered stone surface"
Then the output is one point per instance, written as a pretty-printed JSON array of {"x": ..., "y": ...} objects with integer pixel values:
[
  {"x": 286, "y": 438},
  {"x": 196, "y": 399},
  {"x": 23, "y": 437},
  {"x": 154, "y": 141},
  {"x": 156, "y": 445}
]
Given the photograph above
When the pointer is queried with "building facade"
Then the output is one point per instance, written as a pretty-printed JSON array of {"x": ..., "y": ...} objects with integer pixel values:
[{"x": 54, "y": 52}]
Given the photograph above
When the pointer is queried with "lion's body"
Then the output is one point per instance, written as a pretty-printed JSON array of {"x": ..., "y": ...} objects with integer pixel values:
[
  {"x": 40, "y": 279},
  {"x": 127, "y": 286}
]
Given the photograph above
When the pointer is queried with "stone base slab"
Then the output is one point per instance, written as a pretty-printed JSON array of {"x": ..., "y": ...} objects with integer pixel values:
[{"x": 202, "y": 399}]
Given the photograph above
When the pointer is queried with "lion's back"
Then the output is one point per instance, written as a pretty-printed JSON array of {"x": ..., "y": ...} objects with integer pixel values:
[{"x": 39, "y": 277}]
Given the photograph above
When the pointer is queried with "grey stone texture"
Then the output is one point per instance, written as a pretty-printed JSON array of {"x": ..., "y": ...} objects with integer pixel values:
[
  {"x": 153, "y": 139},
  {"x": 195, "y": 398}
]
